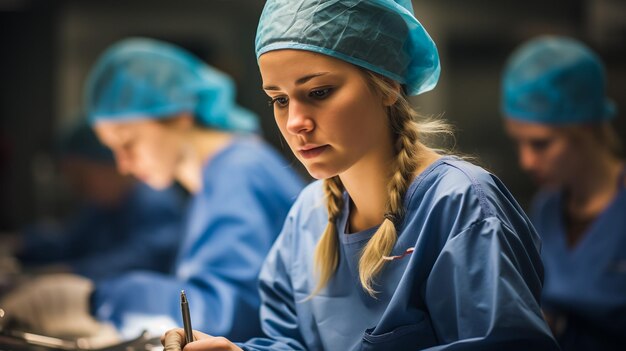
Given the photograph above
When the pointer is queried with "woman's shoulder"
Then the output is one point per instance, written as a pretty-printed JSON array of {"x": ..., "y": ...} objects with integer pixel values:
[
  {"x": 250, "y": 160},
  {"x": 451, "y": 175},
  {"x": 463, "y": 193},
  {"x": 306, "y": 219},
  {"x": 310, "y": 199}
]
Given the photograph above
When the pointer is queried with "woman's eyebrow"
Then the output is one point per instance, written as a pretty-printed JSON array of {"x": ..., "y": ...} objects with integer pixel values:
[{"x": 299, "y": 81}]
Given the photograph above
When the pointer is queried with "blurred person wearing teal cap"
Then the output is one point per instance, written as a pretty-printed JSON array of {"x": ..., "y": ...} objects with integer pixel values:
[
  {"x": 170, "y": 118},
  {"x": 555, "y": 80},
  {"x": 556, "y": 110},
  {"x": 397, "y": 246},
  {"x": 143, "y": 78},
  {"x": 120, "y": 224}
]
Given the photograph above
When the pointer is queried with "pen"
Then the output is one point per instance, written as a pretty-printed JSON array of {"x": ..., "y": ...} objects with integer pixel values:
[{"x": 184, "y": 307}]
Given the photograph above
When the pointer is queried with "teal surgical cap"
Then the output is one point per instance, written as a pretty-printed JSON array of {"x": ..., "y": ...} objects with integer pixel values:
[
  {"x": 144, "y": 78},
  {"x": 380, "y": 35},
  {"x": 555, "y": 80}
]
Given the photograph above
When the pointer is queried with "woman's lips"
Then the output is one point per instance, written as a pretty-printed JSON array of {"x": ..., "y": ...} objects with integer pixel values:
[{"x": 310, "y": 152}]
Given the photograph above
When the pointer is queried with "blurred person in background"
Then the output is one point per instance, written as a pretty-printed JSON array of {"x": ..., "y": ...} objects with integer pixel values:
[
  {"x": 557, "y": 112},
  {"x": 120, "y": 224},
  {"x": 169, "y": 117}
]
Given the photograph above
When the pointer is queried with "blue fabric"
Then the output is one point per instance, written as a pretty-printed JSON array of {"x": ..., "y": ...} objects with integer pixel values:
[
  {"x": 231, "y": 225},
  {"x": 555, "y": 80},
  {"x": 382, "y": 36},
  {"x": 145, "y": 78},
  {"x": 472, "y": 283},
  {"x": 586, "y": 284},
  {"x": 142, "y": 233}
]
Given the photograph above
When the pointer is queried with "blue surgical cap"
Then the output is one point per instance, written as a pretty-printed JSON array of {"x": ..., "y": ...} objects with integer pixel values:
[
  {"x": 382, "y": 36},
  {"x": 79, "y": 140},
  {"x": 145, "y": 78},
  {"x": 555, "y": 80}
]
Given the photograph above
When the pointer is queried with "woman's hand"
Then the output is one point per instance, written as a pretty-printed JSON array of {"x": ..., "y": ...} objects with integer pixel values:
[{"x": 172, "y": 340}]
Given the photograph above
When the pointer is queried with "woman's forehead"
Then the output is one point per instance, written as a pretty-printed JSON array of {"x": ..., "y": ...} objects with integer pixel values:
[
  {"x": 300, "y": 60},
  {"x": 113, "y": 131},
  {"x": 290, "y": 66}
]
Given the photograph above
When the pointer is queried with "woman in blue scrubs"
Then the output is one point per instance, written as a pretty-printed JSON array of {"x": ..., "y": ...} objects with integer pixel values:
[
  {"x": 558, "y": 114},
  {"x": 168, "y": 117},
  {"x": 396, "y": 247}
]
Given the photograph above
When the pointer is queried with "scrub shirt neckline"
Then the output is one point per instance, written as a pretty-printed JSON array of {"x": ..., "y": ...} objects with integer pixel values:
[{"x": 366, "y": 234}]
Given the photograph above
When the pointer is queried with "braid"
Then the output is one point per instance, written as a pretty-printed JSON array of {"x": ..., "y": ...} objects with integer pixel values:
[
  {"x": 406, "y": 160},
  {"x": 372, "y": 260},
  {"x": 327, "y": 250}
]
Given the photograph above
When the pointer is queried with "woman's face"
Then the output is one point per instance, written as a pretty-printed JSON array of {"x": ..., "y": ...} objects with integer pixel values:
[
  {"x": 148, "y": 149},
  {"x": 325, "y": 110},
  {"x": 549, "y": 154}
]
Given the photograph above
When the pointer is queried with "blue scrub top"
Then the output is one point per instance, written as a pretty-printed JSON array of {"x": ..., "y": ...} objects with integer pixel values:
[
  {"x": 473, "y": 281},
  {"x": 231, "y": 224},
  {"x": 141, "y": 233},
  {"x": 586, "y": 283}
]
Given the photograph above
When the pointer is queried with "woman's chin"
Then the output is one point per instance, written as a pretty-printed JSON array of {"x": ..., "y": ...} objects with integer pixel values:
[
  {"x": 320, "y": 172},
  {"x": 157, "y": 184}
]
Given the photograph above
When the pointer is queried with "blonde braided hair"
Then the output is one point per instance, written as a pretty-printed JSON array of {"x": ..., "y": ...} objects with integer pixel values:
[{"x": 327, "y": 250}]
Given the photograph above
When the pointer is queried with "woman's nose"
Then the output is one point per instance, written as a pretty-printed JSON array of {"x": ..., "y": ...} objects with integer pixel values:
[{"x": 299, "y": 119}]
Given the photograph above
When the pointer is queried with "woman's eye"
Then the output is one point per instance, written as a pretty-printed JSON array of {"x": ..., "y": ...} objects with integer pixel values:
[
  {"x": 320, "y": 93},
  {"x": 540, "y": 145},
  {"x": 278, "y": 101}
]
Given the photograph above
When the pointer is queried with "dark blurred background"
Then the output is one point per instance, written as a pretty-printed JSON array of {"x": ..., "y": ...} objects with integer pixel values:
[{"x": 48, "y": 46}]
